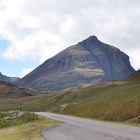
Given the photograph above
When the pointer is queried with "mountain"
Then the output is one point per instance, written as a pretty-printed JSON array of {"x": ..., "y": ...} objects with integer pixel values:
[
  {"x": 8, "y": 79},
  {"x": 88, "y": 62}
]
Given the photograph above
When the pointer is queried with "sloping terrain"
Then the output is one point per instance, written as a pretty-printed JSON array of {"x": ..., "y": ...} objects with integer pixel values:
[
  {"x": 112, "y": 100},
  {"x": 85, "y": 63},
  {"x": 9, "y": 91}
]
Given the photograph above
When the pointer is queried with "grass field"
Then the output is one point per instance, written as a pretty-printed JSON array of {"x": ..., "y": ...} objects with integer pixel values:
[{"x": 26, "y": 131}]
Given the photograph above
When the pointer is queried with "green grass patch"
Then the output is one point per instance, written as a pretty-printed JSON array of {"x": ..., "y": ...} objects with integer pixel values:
[
  {"x": 26, "y": 131},
  {"x": 8, "y": 119}
]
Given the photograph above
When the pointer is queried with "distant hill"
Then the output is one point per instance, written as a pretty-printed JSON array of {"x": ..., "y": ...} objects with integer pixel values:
[
  {"x": 85, "y": 63},
  {"x": 8, "y": 79},
  {"x": 10, "y": 91}
]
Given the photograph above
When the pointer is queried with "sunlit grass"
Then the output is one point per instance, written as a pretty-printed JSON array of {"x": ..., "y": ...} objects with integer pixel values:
[{"x": 27, "y": 131}]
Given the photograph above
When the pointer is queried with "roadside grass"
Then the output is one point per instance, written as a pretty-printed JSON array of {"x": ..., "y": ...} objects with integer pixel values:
[
  {"x": 3, "y": 114},
  {"x": 16, "y": 118},
  {"x": 26, "y": 131}
]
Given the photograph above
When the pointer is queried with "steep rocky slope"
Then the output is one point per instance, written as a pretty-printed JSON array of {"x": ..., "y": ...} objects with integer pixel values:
[{"x": 87, "y": 62}]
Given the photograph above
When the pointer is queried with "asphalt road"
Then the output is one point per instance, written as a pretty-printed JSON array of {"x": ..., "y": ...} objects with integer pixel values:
[{"x": 75, "y": 128}]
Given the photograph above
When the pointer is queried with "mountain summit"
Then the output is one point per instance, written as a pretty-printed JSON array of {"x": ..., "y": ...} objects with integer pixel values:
[{"x": 90, "y": 61}]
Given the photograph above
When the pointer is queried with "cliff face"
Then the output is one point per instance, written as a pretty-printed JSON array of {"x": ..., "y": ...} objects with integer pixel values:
[{"x": 87, "y": 62}]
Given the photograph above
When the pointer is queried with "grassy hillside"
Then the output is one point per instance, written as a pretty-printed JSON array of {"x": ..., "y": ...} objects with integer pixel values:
[
  {"x": 115, "y": 100},
  {"x": 9, "y": 91},
  {"x": 112, "y": 100}
]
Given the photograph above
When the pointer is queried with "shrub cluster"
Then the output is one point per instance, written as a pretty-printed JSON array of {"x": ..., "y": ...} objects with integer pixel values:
[
  {"x": 24, "y": 118},
  {"x": 27, "y": 117},
  {"x": 3, "y": 114}
]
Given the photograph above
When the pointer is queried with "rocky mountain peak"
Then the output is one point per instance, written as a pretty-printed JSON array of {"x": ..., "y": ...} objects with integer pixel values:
[{"x": 91, "y": 40}]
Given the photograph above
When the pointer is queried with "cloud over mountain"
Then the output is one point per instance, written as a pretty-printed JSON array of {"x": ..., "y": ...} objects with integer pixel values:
[{"x": 39, "y": 29}]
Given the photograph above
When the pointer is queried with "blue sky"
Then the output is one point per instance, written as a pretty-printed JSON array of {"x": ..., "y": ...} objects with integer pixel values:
[
  {"x": 31, "y": 31},
  {"x": 14, "y": 67}
]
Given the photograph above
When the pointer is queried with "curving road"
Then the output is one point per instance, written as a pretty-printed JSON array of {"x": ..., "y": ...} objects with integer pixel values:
[{"x": 75, "y": 128}]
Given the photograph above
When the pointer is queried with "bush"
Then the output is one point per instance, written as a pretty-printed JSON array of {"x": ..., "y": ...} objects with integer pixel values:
[
  {"x": 27, "y": 117},
  {"x": 3, "y": 114},
  {"x": 5, "y": 123}
]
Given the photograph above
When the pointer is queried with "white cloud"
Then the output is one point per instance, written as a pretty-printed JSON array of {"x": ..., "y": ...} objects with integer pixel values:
[
  {"x": 38, "y": 29},
  {"x": 135, "y": 58},
  {"x": 25, "y": 72}
]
